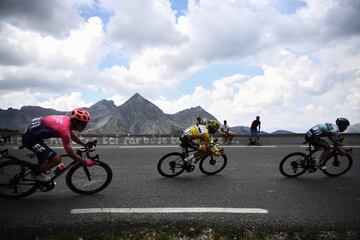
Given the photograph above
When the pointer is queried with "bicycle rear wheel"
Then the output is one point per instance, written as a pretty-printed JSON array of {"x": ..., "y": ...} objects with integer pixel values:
[
  {"x": 16, "y": 179},
  {"x": 211, "y": 164},
  {"x": 171, "y": 165},
  {"x": 293, "y": 165},
  {"x": 336, "y": 166},
  {"x": 88, "y": 180}
]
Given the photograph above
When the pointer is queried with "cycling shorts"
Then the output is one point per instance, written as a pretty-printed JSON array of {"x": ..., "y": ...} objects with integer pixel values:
[
  {"x": 38, "y": 146},
  {"x": 186, "y": 142},
  {"x": 317, "y": 142},
  {"x": 254, "y": 132}
]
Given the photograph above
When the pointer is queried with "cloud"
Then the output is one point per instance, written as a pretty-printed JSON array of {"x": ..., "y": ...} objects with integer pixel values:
[
  {"x": 61, "y": 102},
  {"x": 235, "y": 32},
  {"x": 237, "y": 95},
  {"x": 36, "y": 61},
  {"x": 118, "y": 99},
  {"x": 142, "y": 23},
  {"x": 17, "y": 99},
  {"x": 310, "y": 55},
  {"x": 294, "y": 86},
  {"x": 45, "y": 16},
  {"x": 66, "y": 102}
]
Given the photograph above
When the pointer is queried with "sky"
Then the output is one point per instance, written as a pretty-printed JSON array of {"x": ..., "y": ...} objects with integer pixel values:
[{"x": 295, "y": 63}]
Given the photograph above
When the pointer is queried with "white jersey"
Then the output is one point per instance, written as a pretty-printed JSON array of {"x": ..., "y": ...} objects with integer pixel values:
[
  {"x": 325, "y": 129},
  {"x": 225, "y": 128}
]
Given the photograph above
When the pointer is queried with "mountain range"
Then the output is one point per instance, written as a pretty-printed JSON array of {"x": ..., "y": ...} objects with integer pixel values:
[{"x": 136, "y": 116}]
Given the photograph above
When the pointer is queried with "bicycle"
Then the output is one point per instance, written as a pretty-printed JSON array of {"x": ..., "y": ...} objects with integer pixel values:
[
  {"x": 4, "y": 140},
  {"x": 173, "y": 164},
  {"x": 254, "y": 141},
  {"x": 17, "y": 177},
  {"x": 297, "y": 163}
]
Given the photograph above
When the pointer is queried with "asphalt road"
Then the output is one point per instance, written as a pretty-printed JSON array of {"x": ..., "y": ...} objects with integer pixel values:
[{"x": 250, "y": 180}]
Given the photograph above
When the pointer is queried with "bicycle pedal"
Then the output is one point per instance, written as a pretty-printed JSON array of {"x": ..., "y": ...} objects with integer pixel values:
[
  {"x": 46, "y": 186},
  {"x": 190, "y": 168},
  {"x": 312, "y": 170}
]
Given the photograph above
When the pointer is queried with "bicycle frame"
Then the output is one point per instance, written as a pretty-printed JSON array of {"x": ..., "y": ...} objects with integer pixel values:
[
  {"x": 186, "y": 150},
  {"x": 333, "y": 152},
  {"x": 73, "y": 163}
]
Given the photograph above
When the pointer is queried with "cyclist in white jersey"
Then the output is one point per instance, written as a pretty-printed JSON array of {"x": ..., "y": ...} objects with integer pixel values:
[{"x": 330, "y": 130}]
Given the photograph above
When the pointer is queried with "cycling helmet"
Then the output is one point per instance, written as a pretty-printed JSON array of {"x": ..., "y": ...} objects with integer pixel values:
[
  {"x": 80, "y": 114},
  {"x": 342, "y": 121},
  {"x": 213, "y": 124}
]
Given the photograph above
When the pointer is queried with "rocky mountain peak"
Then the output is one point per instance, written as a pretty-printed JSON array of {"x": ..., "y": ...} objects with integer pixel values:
[
  {"x": 136, "y": 98},
  {"x": 104, "y": 104}
]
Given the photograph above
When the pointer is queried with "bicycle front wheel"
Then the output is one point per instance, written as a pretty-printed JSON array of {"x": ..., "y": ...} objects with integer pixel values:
[
  {"x": 337, "y": 165},
  {"x": 293, "y": 165},
  {"x": 171, "y": 165},
  {"x": 88, "y": 180},
  {"x": 16, "y": 179},
  {"x": 211, "y": 164}
]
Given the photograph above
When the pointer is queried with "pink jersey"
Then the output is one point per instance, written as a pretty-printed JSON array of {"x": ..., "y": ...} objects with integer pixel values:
[{"x": 54, "y": 126}]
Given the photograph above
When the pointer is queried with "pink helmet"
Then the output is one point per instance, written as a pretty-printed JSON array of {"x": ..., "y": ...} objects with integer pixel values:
[{"x": 80, "y": 114}]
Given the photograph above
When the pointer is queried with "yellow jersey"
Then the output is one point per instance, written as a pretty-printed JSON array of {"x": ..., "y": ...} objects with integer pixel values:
[{"x": 198, "y": 132}]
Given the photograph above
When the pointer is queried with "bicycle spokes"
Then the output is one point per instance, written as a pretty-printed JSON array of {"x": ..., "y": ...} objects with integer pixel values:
[
  {"x": 171, "y": 164},
  {"x": 211, "y": 164},
  {"x": 16, "y": 179},
  {"x": 88, "y": 180},
  {"x": 87, "y": 173},
  {"x": 293, "y": 165},
  {"x": 337, "y": 165}
]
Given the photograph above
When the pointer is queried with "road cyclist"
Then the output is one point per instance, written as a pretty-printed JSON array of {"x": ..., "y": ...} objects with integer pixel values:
[
  {"x": 86, "y": 174},
  {"x": 55, "y": 126},
  {"x": 197, "y": 144},
  {"x": 332, "y": 132},
  {"x": 330, "y": 158},
  {"x": 17, "y": 175}
]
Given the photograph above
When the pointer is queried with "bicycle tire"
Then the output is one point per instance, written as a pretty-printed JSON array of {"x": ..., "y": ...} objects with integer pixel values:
[
  {"x": 210, "y": 158},
  {"x": 177, "y": 162},
  {"x": 24, "y": 168},
  {"x": 296, "y": 157},
  {"x": 77, "y": 174},
  {"x": 327, "y": 172}
]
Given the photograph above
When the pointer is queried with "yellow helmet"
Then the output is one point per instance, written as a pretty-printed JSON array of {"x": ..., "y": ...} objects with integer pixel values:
[{"x": 213, "y": 124}]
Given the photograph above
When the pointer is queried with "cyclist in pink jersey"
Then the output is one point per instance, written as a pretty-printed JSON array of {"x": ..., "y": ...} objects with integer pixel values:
[{"x": 55, "y": 126}]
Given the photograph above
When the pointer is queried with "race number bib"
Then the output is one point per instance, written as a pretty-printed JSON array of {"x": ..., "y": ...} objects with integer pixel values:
[{"x": 187, "y": 132}]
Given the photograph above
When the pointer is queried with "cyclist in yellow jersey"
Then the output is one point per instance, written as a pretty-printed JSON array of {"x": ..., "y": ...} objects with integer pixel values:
[{"x": 203, "y": 134}]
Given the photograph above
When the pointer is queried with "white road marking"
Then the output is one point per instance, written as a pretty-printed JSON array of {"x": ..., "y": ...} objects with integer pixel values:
[
  {"x": 170, "y": 210},
  {"x": 253, "y": 146}
]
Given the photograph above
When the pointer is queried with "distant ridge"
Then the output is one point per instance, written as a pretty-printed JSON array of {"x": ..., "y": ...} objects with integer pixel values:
[
  {"x": 282, "y": 132},
  {"x": 187, "y": 117},
  {"x": 136, "y": 116},
  {"x": 353, "y": 128}
]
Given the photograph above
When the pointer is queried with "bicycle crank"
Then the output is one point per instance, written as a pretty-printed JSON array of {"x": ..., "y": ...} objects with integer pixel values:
[
  {"x": 190, "y": 168},
  {"x": 47, "y": 186}
]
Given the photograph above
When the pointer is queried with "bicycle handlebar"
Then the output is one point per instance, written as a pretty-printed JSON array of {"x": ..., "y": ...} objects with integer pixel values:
[{"x": 91, "y": 147}]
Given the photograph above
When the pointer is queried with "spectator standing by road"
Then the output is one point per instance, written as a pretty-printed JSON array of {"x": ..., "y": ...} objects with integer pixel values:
[
  {"x": 254, "y": 132},
  {"x": 227, "y": 135}
]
